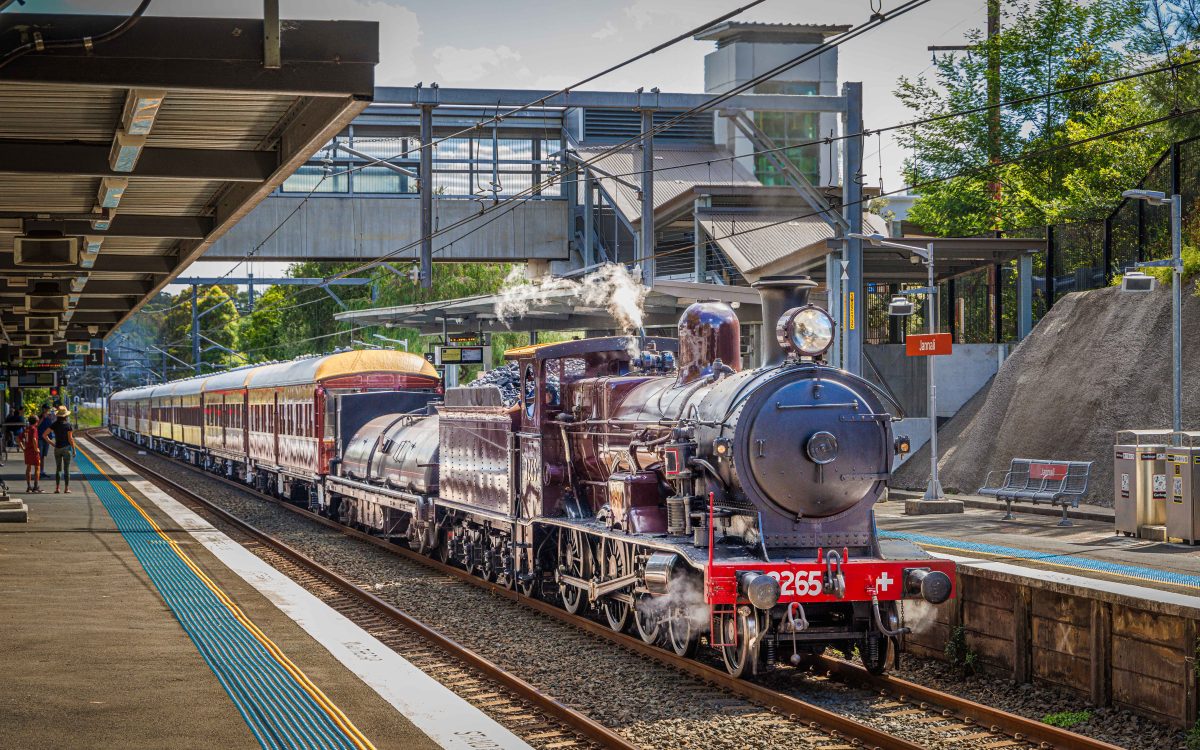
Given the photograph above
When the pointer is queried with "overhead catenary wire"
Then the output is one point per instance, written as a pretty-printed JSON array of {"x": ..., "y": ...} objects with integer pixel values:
[
  {"x": 523, "y": 196},
  {"x": 530, "y": 105}
]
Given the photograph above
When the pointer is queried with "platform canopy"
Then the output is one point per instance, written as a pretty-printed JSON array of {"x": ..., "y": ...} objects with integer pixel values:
[
  {"x": 121, "y": 162},
  {"x": 555, "y": 311}
]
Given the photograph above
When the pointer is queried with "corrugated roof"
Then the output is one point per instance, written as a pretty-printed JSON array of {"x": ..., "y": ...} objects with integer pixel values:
[
  {"x": 677, "y": 171},
  {"x": 61, "y": 109},
  {"x": 754, "y": 240}
]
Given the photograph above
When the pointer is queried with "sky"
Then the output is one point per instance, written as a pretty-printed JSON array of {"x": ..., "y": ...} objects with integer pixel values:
[{"x": 547, "y": 44}]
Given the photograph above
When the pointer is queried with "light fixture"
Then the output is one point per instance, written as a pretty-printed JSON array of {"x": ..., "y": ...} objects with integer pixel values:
[
  {"x": 1136, "y": 281},
  {"x": 141, "y": 107},
  {"x": 46, "y": 297},
  {"x": 806, "y": 331},
  {"x": 112, "y": 189},
  {"x": 30, "y": 352},
  {"x": 45, "y": 249},
  {"x": 901, "y": 306},
  {"x": 1153, "y": 197},
  {"x": 126, "y": 148},
  {"x": 39, "y": 339},
  {"x": 41, "y": 323}
]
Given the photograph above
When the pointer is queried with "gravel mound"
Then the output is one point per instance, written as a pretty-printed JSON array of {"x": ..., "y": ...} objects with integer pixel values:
[{"x": 1099, "y": 362}]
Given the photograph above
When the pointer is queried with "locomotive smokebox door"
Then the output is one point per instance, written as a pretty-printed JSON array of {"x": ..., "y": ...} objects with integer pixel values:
[{"x": 635, "y": 502}]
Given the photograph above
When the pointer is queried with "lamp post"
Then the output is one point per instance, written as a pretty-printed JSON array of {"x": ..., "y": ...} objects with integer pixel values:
[
  {"x": 933, "y": 491},
  {"x": 1156, "y": 198}
]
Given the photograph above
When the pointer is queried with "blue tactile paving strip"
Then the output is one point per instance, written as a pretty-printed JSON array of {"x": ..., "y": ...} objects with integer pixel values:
[
  {"x": 281, "y": 712},
  {"x": 1050, "y": 558}
]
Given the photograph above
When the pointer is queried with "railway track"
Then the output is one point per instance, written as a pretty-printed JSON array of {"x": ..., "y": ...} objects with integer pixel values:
[{"x": 960, "y": 722}]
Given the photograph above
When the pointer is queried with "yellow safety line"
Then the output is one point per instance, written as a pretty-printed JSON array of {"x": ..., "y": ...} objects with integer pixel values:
[
  {"x": 1082, "y": 572},
  {"x": 353, "y": 733}
]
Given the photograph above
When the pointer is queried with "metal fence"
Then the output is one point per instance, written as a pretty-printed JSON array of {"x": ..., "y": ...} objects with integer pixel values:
[{"x": 1078, "y": 255}]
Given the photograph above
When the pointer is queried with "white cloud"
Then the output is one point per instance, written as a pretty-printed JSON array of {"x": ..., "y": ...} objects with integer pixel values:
[
  {"x": 605, "y": 31},
  {"x": 456, "y": 65}
]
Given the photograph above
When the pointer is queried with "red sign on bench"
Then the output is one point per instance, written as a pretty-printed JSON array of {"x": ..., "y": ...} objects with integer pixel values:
[{"x": 1047, "y": 471}]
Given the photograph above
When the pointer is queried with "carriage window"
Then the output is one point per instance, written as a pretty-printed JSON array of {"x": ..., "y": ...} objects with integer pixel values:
[
  {"x": 552, "y": 377},
  {"x": 529, "y": 392}
]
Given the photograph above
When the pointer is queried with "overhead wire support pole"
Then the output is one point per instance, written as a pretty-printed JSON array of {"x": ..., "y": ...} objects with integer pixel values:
[
  {"x": 854, "y": 303},
  {"x": 646, "y": 249},
  {"x": 426, "y": 170},
  {"x": 195, "y": 332}
]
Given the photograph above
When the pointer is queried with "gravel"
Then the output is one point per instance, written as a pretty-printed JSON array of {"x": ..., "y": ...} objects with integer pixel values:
[
  {"x": 654, "y": 705},
  {"x": 1100, "y": 361},
  {"x": 1113, "y": 725}
]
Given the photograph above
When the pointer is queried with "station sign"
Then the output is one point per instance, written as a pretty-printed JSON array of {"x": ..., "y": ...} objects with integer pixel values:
[
  {"x": 927, "y": 344},
  {"x": 467, "y": 339},
  {"x": 78, "y": 348}
]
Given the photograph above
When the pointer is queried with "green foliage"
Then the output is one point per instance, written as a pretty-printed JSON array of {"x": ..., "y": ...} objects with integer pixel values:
[
  {"x": 1067, "y": 719},
  {"x": 1191, "y": 267},
  {"x": 1191, "y": 740},
  {"x": 1044, "y": 45},
  {"x": 960, "y": 654}
]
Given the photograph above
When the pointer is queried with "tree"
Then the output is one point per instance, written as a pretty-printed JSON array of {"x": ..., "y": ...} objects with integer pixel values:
[
  {"x": 218, "y": 314},
  {"x": 1045, "y": 46}
]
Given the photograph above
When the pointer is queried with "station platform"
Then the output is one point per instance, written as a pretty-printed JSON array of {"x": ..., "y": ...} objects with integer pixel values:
[
  {"x": 1090, "y": 548},
  {"x": 129, "y": 621}
]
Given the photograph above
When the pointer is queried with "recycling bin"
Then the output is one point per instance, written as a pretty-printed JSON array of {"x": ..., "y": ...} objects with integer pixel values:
[
  {"x": 1183, "y": 487},
  {"x": 1140, "y": 479}
]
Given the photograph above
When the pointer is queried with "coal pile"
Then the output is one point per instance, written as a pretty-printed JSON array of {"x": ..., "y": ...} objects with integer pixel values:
[{"x": 506, "y": 378}]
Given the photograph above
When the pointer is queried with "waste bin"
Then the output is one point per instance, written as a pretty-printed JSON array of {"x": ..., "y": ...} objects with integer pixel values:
[
  {"x": 1183, "y": 486},
  {"x": 1140, "y": 479}
]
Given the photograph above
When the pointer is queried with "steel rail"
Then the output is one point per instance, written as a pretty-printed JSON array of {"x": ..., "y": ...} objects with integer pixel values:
[
  {"x": 1018, "y": 727},
  {"x": 579, "y": 722}
]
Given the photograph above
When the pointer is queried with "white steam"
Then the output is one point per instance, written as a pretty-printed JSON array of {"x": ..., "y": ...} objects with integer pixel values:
[
  {"x": 684, "y": 596},
  {"x": 610, "y": 287}
]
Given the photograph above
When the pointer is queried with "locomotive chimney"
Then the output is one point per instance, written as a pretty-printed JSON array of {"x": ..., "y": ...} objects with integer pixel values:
[
  {"x": 779, "y": 294},
  {"x": 708, "y": 331}
]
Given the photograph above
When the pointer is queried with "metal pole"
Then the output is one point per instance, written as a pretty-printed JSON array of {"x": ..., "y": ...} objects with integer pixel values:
[
  {"x": 250, "y": 289},
  {"x": 195, "y": 332},
  {"x": 853, "y": 212},
  {"x": 589, "y": 219},
  {"x": 426, "y": 169},
  {"x": 1177, "y": 311},
  {"x": 700, "y": 261},
  {"x": 647, "y": 248},
  {"x": 934, "y": 490}
]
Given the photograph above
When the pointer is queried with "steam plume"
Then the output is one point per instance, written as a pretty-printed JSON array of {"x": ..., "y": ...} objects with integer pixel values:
[{"x": 611, "y": 287}]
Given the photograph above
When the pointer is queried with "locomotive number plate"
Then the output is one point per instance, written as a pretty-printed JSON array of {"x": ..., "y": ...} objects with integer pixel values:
[{"x": 798, "y": 583}]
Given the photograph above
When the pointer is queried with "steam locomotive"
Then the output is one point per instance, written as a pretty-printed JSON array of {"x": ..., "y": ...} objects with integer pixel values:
[{"x": 651, "y": 481}]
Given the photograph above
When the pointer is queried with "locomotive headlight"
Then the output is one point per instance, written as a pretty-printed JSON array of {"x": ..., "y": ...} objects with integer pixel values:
[{"x": 807, "y": 331}]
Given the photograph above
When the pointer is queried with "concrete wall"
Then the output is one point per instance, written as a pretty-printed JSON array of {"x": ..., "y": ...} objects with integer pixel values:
[
  {"x": 959, "y": 376},
  {"x": 365, "y": 228}
]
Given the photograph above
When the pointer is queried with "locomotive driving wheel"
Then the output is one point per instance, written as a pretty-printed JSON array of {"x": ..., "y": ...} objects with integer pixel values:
[
  {"x": 570, "y": 562},
  {"x": 682, "y": 633},
  {"x": 616, "y": 565},
  {"x": 739, "y": 632},
  {"x": 647, "y": 619}
]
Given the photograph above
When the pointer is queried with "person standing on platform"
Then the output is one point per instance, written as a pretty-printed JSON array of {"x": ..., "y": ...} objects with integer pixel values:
[
  {"x": 13, "y": 424},
  {"x": 47, "y": 421},
  {"x": 64, "y": 448},
  {"x": 31, "y": 444}
]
